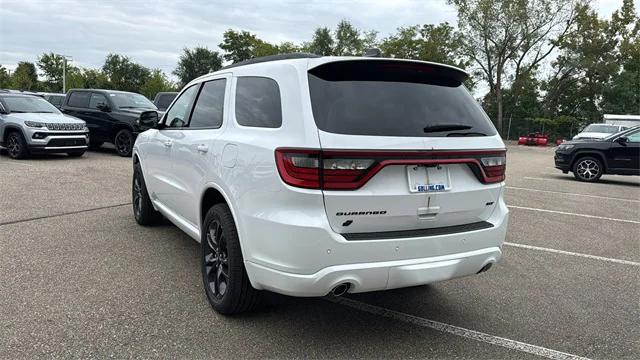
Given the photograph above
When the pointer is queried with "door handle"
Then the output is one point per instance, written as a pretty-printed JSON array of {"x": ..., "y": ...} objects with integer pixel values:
[
  {"x": 168, "y": 143},
  {"x": 202, "y": 148}
]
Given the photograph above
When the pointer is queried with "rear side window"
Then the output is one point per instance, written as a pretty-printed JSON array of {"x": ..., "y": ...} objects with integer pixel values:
[
  {"x": 393, "y": 98},
  {"x": 79, "y": 99},
  {"x": 208, "y": 110},
  {"x": 258, "y": 102}
]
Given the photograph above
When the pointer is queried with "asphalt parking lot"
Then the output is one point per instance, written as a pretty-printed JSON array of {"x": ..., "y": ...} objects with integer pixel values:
[{"x": 79, "y": 278}]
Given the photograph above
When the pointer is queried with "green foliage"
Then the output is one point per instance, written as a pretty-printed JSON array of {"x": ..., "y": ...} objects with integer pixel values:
[
  {"x": 156, "y": 83},
  {"x": 196, "y": 62},
  {"x": 5, "y": 79},
  {"x": 348, "y": 40},
  {"x": 506, "y": 39},
  {"x": 52, "y": 66},
  {"x": 322, "y": 42},
  {"x": 243, "y": 45},
  {"x": 25, "y": 77},
  {"x": 124, "y": 74}
]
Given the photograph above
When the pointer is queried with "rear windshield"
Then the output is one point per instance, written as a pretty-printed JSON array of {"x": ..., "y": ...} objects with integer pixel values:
[{"x": 392, "y": 98}]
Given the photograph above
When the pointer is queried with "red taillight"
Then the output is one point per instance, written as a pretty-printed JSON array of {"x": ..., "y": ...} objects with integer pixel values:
[
  {"x": 494, "y": 168},
  {"x": 349, "y": 170},
  {"x": 299, "y": 167}
]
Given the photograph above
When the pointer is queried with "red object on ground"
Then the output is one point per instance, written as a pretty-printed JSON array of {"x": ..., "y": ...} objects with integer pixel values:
[
  {"x": 559, "y": 141},
  {"x": 536, "y": 139}
]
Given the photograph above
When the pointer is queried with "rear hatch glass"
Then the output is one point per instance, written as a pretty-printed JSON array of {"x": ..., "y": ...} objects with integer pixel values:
[{"x": 393, "y": 98}]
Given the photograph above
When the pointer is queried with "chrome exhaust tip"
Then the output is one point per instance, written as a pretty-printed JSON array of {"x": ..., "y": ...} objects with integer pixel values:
[{"x": 340, "y": 289}]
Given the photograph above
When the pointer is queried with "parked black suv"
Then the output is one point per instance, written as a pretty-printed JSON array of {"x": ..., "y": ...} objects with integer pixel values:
[
  {"x": 589, "y": 159},
  {"x": 111, "y": 116}
]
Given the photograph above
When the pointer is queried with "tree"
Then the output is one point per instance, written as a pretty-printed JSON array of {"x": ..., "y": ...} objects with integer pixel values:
[
  {"x": 322, "y": 42},
  {"x": 584, "y": 69},
  {"x": 506, "y": 39},
  {"x": 52, "y": 66},
  {"x": 196, "y": 62},
  {"x": 622, "y": 96},
  {"x": 348, "y": 40},
  {"x": 243, "y": 45},
  {"x": 438, "y": 43},
  {"x": 25, "y": 77},
  {"x": 124, "y": 74},
  {"x": 156, "y": 83},
  {"x": 5, "y": 78}
]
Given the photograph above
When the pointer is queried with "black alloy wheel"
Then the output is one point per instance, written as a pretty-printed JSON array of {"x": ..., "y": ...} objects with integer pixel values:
[
  {"x": 143, "y": 210},
  {"x": 216, "y": 260},
  {"x": 124, "y": 142},
  {"x": 224, "y": 276},
  {"x": 16, "y": 146}
]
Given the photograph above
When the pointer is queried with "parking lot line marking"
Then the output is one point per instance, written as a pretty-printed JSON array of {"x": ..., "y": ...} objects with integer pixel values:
[
  {"x": 573, "y": 214},
  {"x": 62, "y": 214},
  {"x": 455, "y": 330},
  {"x": 595, "y": 257},
  {"x": 565, "y": 179},
  {"x": 573, "y": 194}
]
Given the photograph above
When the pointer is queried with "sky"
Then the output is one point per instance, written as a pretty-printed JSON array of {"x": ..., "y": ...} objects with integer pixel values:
[{"x": 153, "y": 33}]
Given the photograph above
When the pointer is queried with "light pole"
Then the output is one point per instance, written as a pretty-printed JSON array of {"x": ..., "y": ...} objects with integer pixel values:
[{"x": 64, "y": 71}]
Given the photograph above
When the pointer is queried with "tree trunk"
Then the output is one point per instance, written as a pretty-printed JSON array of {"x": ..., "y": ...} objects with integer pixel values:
[{"x": 499, "y": 103}]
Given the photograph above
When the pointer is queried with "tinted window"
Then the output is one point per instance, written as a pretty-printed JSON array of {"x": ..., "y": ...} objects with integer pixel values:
[
  {"x": 207, "y": 112},
  {"x": 97, "y": 99},
  {"x": 177, "y": 115},
  {"x": 392, "y": 98},
  {"x": 79, "y": 99},
  {"x": 258, "y": 102},
  {"x": 56, "y": 100},
  {"x": 165, "y": 100}
]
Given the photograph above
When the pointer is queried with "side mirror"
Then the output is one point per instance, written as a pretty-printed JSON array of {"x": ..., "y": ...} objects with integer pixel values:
[
  {"x": 622, "y": 140},
  {"x": 103, "y": 107},
  {"x": 149, "y": 119}
]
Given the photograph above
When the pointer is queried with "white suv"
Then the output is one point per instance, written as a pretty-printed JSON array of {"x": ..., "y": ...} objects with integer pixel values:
[{"x": 309, "y": 175}]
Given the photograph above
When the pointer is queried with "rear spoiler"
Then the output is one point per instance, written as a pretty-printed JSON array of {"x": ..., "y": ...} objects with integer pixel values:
[{"x": 383, "y": 69}]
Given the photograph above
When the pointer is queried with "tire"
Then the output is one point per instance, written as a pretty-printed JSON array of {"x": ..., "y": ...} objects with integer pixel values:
[
  {"x": 143, "y": 210},
  {"x": 16, "y": 145},
  {"x": 588, "y": 169},
  {"x": 94, "y": 145},
  {"x": 225, "y": 279},
  {"x": 75, "y": 153},
  {"x": 123, "y": 142}
]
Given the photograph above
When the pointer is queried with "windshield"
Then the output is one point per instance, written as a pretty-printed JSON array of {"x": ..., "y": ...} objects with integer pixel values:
[
  {"x": 601, "y": 128},
  {"x": 624, "y": 129},
  {"x": 28, "y": 104},
  {"x": 131, "y": 100},
  {"x": 391, "y": 98}
]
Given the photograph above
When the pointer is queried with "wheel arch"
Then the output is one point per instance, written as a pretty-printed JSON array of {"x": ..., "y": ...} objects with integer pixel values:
[
  {"x": 120, "y": 126},
  {"x": 596, "y": 154},
  {"x": 10, "y": 128}
]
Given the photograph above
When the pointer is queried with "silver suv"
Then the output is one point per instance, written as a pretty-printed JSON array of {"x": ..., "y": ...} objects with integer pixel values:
[{"x": 30, "y": 124}]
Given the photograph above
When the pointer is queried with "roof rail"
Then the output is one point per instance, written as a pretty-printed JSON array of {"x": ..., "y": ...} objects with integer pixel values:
[{"x": 297, "y": 55}]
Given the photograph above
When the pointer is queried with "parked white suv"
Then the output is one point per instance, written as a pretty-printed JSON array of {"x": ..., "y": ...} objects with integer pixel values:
[{"x": 307, "y": 175}]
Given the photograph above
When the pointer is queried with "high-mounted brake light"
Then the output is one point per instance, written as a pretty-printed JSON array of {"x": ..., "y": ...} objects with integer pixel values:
[{"x": 351, "y": 169}]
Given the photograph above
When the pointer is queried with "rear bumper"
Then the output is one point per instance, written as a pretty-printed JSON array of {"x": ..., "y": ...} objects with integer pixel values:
[
  {"x": 312, "y": 261},
  {"x": 374, "y": 276}
]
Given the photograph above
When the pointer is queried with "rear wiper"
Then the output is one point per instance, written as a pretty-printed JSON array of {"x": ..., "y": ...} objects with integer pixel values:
[
  {"x": 449, "y": 127},
  {"x": 470, "y": 133}
]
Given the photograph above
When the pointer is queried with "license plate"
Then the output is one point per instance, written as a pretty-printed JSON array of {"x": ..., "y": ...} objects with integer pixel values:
[{"x": 428, "y": 179}]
